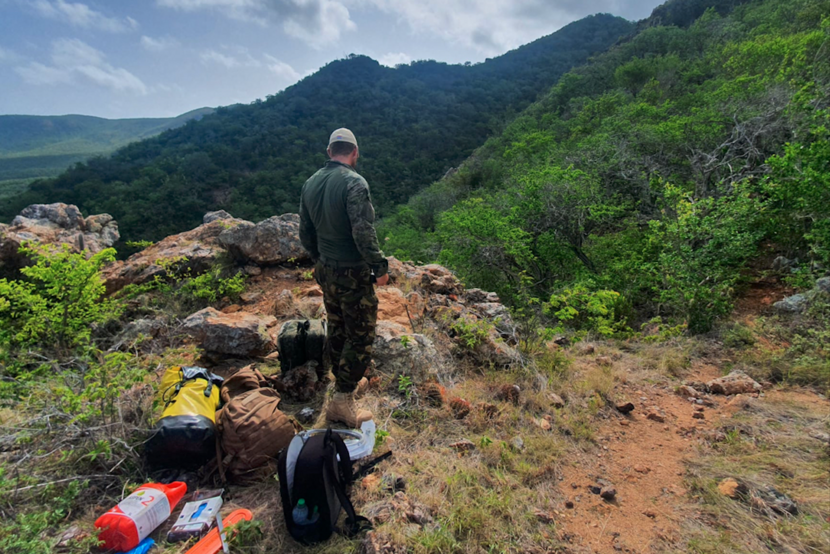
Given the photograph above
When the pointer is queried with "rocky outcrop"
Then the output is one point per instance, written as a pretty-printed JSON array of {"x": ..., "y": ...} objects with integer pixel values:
[
  {"x": 196, "y": 251},
  {"x": 55, "y": 224},
  {"x": 273, "y": 241},
  {"x": 397, "y": 351},
  {"x": 238, "y": 334}
]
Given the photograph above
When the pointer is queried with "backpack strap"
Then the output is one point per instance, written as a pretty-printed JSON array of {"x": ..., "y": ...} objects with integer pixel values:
[
  {"x": 354, "y": 523},
  {"x": 342, "y": 451}
]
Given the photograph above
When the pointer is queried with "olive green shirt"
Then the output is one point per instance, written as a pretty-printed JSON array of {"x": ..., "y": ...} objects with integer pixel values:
[{"x": 337, "y": 218}]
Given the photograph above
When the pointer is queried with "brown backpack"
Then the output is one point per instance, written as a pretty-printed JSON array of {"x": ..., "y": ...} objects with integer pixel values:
[
  {"x": 246, "y": 379},
  {"x": 252, "y": 428}
]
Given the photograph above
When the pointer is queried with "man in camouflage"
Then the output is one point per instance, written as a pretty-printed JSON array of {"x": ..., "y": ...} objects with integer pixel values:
[{"x": 337, "y": 229}]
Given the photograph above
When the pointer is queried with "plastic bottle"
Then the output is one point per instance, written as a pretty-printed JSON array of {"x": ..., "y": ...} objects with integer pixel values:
[
  {"x": 135, "y": 517},
  {"x": 300, "y": 514}
]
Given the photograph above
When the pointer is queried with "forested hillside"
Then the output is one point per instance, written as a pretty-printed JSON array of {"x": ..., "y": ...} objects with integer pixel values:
[
  {"x": 646, "y": 182},
  {"x": 36, "y": 147},
  {"x": 414, "y": 123}
]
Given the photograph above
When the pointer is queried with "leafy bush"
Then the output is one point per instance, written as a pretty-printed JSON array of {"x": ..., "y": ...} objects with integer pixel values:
[
  {"x": 57, "y": 302},
  {"x": 598, "y": 311},
  {"x": 703, "y": 244}
]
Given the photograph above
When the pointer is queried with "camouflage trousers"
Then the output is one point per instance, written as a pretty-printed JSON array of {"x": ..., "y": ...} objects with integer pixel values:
[{"x": 352, "y": 308}]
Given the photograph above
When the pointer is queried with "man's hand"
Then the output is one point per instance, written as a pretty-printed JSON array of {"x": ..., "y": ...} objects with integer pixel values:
[{"x": 381, "y": 281}]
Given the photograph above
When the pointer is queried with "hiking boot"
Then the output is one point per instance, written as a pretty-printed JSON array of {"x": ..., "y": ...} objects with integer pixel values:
[
  {"x": 342, "y": 409},
  {"x": 361, "y": 388}
]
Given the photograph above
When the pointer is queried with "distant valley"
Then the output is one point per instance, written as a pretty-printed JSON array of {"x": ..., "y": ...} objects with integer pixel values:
[{"x": 35, "y": 147}]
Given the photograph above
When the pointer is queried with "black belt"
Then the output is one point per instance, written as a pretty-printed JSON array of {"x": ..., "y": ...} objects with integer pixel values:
[{"x": 337, "y": 264}]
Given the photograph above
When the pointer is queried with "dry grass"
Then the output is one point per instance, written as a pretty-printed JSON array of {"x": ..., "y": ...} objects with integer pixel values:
[{"x": 765, "y": 445}]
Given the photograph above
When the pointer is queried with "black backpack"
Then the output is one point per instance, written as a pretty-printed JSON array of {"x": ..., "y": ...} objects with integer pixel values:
[
  {"x": 309, "y": 469},
  {"x": 300, "y": 341}
]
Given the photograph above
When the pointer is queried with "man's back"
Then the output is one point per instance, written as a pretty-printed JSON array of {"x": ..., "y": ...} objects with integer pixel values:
[{"x": 325, "y": 199}]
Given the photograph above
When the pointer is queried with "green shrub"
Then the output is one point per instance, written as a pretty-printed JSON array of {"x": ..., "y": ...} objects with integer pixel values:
[
  {"x": 584, "y": 310},
  {"x": 58, "y": 299}
]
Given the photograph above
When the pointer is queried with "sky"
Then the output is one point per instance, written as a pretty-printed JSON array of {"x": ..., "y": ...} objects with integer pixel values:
[{"x": 161, "y": 58}]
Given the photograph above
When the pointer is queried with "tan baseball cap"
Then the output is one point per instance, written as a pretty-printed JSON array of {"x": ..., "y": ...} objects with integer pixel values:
[{"x": 342, "y": 135}]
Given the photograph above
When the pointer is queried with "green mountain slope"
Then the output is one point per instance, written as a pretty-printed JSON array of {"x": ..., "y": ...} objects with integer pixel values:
[
  {"x": 655, "y": 171},
  {"x": 414, "y": 123},
  {"x": 33, "y": 147}
]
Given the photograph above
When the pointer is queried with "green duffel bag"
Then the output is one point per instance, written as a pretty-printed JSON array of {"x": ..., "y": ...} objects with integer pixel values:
[{"x": 301, "y": 341}]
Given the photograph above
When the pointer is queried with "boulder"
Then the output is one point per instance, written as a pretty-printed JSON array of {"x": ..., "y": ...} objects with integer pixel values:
[
  {"x": 237, "y": 334},
  {"x": 823, "y": 285},
  {"x": 398, "y": 351},
  {"x": 219, "y": 215},
  {"x": 55, "y": 224},
  {"x": 196, "y": 251},
  {"x": 792, "y": 304},
  {"x": 273, "y": 241},
  {"x": 737, "y": 382}
]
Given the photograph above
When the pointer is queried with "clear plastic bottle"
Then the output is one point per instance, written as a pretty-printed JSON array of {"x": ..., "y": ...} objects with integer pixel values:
[{"x": 300, "y": 514}]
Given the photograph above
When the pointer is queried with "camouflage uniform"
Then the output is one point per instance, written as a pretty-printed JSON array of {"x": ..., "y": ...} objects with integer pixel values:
[{"x": 337, "y": 229}]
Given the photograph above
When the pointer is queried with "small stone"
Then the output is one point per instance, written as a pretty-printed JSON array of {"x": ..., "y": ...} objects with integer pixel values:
[
  {"x": 370, "y": 482},
  {"x": 736, "y": 382},
  {"x": 253, "y": 270},
  {"x": 624, "y": 408},
  {"x": 250, "y": 297},
  {"x": 650, "y": 514},
  {"x": 640, "y": 468},
  {"x": 687, "y": 392},
  {"x": 556, "y": 400},
  {"x": 594, "y": 489},
  {"x": 305, "y": 416},
  {"x": 624, "y": 422},
  {"x": 698, "y": 415},
  {"x": 543, "y": 424},
  {"x": 699, "y": 408},
  {"x": 608, "y": 493},
  {"x": 655, "y": 414},
  {"x": 517, "y": 443},
  {"x": 463, "y": 445},
  {"x": 732, "y": 488},
  {"x": 314, "y": 293},
  {"x": 569, "y": 504}
]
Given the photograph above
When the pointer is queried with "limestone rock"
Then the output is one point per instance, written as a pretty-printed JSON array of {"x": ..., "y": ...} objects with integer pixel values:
[
  {"x": 238, "y": 334},
  {"x": 737, "y": 382},
  {"x": 792, "y": 304},
  {"x": 216, "y": 216},
  {"x": 55, "y": 224},
  {"x": 397, "y": 351},
  {"x": 196, "y": 251},
  {"x": 273, "y": 241}
]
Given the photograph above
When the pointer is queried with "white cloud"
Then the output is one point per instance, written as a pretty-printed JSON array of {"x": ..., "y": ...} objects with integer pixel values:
[
  {"x": 8, "y": 56},
  {"x": 392, "y": 59},
  {"x": 239, "y": 57},
  {"x": 158, "y": 44},
  {"x": 74, "y": 62},
  {"x": 493, "y": 26},
  {"x": 81, "y": 15},
  {"x": 282, "y": 69},
  {"x": 317, "y": 22}
]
